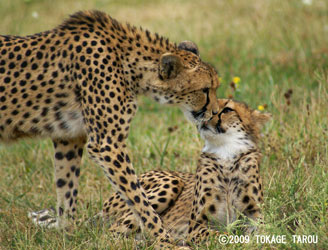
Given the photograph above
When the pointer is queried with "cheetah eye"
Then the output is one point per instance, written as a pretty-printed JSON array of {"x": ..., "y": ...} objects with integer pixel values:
[
  {"x": 227, "y": 110},
  {"x": 206, "y": 90}
]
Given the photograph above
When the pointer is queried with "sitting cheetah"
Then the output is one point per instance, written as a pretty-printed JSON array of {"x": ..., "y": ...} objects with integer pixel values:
[
  {"x": 78, "y": 84},
  {"x": 226, "y": 184}
]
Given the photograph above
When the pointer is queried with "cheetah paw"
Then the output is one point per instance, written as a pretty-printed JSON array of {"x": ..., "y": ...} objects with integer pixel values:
[{"x": 45, "y": 218}]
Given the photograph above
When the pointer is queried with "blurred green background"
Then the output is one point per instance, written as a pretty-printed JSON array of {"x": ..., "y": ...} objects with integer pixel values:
[{"x": 278, "y": 49}]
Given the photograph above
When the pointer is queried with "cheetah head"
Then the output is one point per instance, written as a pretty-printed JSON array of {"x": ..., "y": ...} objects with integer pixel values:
[
  {"x": 186, "y": 81},
  {"x": 235, "y": 129}
]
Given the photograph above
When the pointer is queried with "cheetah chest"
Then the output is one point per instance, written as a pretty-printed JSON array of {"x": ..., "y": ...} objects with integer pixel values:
[{"x": 226, "y": 202}]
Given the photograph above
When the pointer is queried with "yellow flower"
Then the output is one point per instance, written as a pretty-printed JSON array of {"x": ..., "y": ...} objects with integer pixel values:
[
  {"x": 220, "y": 79},
  {"x": 260, "y": 107},
  {"x": 236, "y": 80}
]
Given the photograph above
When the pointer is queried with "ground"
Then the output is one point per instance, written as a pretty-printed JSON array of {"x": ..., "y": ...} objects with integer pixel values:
[{"x": 273, "y": 46}]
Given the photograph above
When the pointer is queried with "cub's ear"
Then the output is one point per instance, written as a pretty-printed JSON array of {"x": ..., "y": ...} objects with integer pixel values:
[
  {"x": 260, "y": 118},
  {"x": 222, "y": 102},
  {"x": 169, "y": 66},
  {"x": 189, "y": 46}
]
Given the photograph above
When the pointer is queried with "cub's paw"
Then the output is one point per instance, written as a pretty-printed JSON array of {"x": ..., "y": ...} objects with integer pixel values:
[{"x": 45, "y": 218}]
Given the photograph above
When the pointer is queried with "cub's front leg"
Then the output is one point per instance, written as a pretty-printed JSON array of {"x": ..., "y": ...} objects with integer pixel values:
[{"x": 205, "y": 201}]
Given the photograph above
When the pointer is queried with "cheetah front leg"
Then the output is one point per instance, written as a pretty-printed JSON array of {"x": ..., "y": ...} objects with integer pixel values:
[
  {"x": 117, "y": 166},
  {"x": 68, "y": 154},
  {"x": 205, "y": 201},
  {"x": 162, "y": 190}
]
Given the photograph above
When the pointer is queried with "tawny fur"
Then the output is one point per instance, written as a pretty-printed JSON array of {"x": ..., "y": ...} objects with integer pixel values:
[
  {"x": 78, "y": 84},
  {"x": 227, "y": 182}
]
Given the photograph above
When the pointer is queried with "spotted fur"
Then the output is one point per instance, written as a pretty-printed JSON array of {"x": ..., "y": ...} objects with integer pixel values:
[
  {"x": 227, "y": 182},
  {"x": 78, "y": 84}
]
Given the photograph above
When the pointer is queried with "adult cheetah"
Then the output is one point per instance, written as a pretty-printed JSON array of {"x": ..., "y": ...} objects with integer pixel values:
[
  {"x": 227, "y": 182},
  {"x": 78, "y": 83}
]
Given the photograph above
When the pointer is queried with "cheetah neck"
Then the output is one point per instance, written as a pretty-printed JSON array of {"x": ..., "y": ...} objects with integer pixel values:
[
  {"x": 229, "y": 146},
  {"x": 141, "y": 64},
  {"x": 144, "y": 79}
]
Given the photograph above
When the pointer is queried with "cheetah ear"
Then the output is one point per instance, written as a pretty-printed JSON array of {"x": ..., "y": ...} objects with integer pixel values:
[
  {"x": 189, "y": 46},
  {"x": 260, "y": 118},
  {"x": 222, "y": 102},
  {"x": 169, "y": 66}
]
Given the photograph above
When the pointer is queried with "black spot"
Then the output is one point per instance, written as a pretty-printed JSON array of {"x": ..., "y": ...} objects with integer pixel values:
[
  {"x": 162, "y": 193},
  {"x": 123, "y": 180},
  {"x": 34, "y": 66},
  {"x": 77, "y": 172},
  {"x": 212, "y": 209},
  {"x": 61, "y": 183},
  {"x": 175, "y": 182},
  {"x": 204, "y": 217},
  {"x": 59, "y": 156},
  {"x": 150, "y": 226},
  {"x": 75, "y": 192},
  {"x": 60, "y": 211},
  {"x": 11, "y": 65},
  {"x": 7, "y": 80},
  {"x": 78, "y": 49},
  {"x": 120, "y": 137},
  {"x": 137, "y": 199},
  {"x": 143, "y": 219},
  {"x": 39, "y": 55},
  {"x": 246, "y": 199},
  {"x": 117, "y": 164},
  {"x": 120, "y": 158},
  {"x": 44, "y": 111},
  {"x": 89, "y": 50},
  {"x": 255, "y": 191},
  {"x": 122, "y": 188},
  {"x": 70, "y": 155},
  {"x": 250, "y": 207},
  {"x": 162, "y": 200},
  {"x": 133, "y": 185}
]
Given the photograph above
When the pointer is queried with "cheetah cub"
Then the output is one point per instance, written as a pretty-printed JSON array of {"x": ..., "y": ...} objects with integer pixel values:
[{"x": 227, "y": 182}]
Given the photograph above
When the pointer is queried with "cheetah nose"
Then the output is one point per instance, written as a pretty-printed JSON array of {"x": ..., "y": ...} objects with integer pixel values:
[{"x": 215, "y": 112}]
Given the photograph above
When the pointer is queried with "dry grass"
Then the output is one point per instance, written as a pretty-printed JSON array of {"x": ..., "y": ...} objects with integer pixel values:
[{"x": 272, "y": 45}]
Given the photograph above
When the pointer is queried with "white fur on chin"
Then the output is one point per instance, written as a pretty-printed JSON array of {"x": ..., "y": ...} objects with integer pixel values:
[{"x": 225, "y": 145}]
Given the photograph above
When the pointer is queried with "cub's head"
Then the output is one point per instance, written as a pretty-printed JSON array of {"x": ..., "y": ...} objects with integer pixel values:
[
  {"x": 188, "y": 82},
  {"x": 235, "y": 128}
]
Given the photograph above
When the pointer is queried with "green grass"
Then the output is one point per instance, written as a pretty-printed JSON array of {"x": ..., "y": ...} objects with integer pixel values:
[{"x": 272, "y": 45}]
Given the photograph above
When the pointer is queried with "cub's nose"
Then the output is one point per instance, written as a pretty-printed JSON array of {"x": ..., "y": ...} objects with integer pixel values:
[{"x": 214, "y": 112}]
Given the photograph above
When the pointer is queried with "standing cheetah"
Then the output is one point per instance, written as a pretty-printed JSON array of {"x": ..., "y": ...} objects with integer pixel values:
[
  {"x": 78, "y": 84},
  {"x": 227, "y": 182}
]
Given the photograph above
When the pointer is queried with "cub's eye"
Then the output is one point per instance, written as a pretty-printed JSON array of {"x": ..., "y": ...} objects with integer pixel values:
[
  {"x": 226, "y": 110},
  {"x": 205, "y": 90}
]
